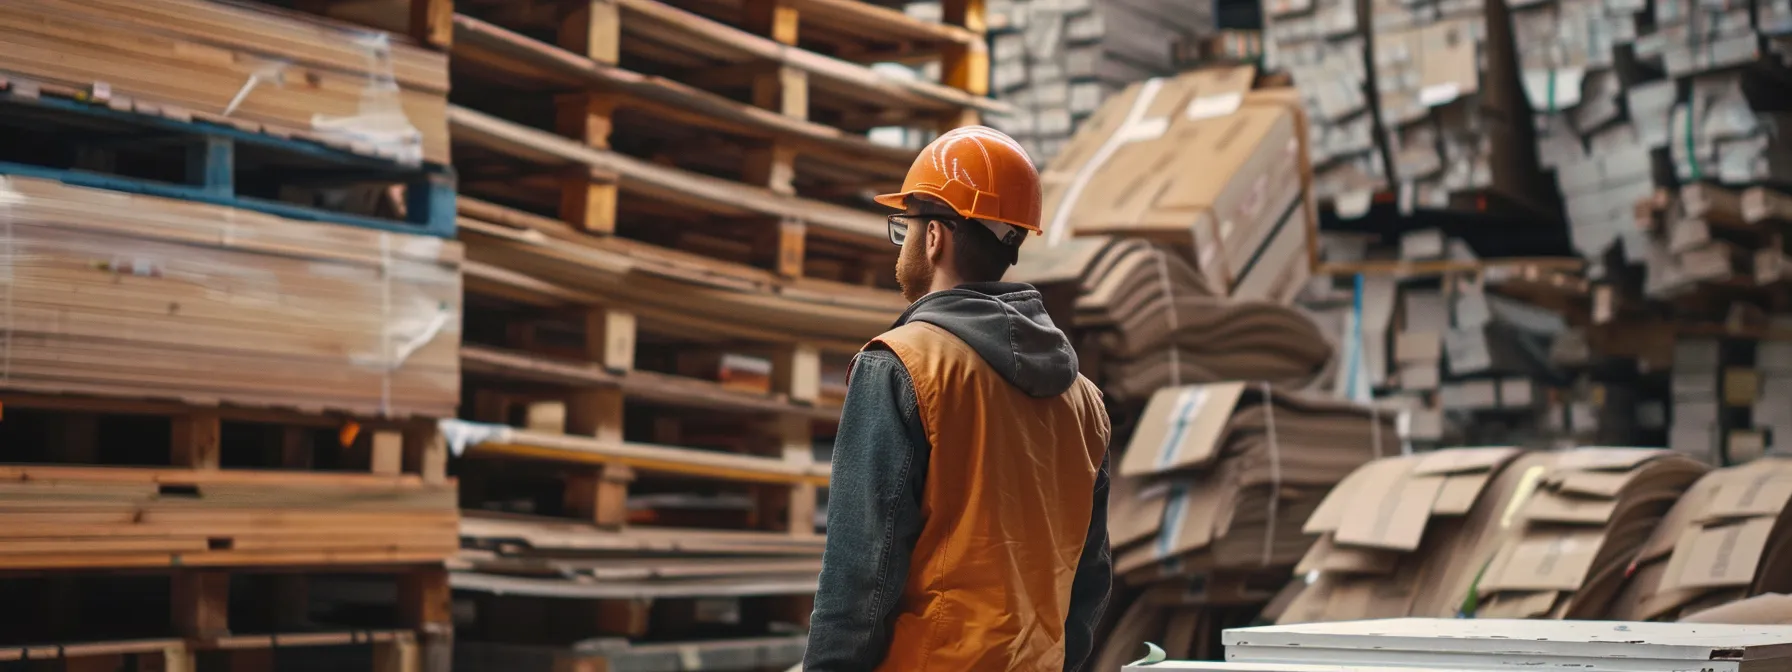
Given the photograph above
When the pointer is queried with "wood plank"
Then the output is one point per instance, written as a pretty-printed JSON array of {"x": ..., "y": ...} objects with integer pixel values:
[
  {"x": 645, "y": 385},
  {"x": 516, "y": 443},
  {"x": 518, "y": 56},
  {"x": 847, "y": 80},
  {"x": 646, "y": 179}
]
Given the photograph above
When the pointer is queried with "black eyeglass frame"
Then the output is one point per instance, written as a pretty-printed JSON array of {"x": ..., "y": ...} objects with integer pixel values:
[{"x": 898, "y": 224}]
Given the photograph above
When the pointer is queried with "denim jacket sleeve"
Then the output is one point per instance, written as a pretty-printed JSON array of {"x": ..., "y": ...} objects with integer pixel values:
[
  {"x": 874, "y": 517},
  {"x": 1094, "y": 579}
]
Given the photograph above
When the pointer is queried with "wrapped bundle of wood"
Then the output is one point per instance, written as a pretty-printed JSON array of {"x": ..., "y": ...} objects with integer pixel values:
[
  {"x": 123, "y": 295},
  {"x": 1220, "y": 477},
  {"x": 1144, "y": 319},
  {"x": 1725, "y": 540},
  {"x": 1487, "y": 533},
  {"x": 248, "y": 66},
  {"x": 1055, "y": 62}
]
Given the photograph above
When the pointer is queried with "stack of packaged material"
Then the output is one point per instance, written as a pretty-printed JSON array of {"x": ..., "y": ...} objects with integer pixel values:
[
  {"x": 1321, "y": 43},
  {"x": 1220, "y": 476},
  {"x": 1143, "y": 319},
  {"x": 1450, "y": 107},
  {"x": 1722, "y": 542},
  {"x": 1055, "y": 62},
  {"x": 1487, "y": 532},
  {"x": 1202, "y": 163},
  {"x": 1209, "y": 497}
]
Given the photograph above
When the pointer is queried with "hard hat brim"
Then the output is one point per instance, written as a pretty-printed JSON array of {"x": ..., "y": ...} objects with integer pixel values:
[{"x": 899, "y": 201}]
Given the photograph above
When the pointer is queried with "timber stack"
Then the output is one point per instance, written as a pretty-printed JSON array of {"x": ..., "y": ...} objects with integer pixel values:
[
  {"x": 233, "y": 310},
  {"x": 671, "y": 258}
]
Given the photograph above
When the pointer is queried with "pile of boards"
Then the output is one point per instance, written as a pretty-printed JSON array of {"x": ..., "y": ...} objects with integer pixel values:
[
  {"x": 66, "y": 517},
  {"x": 256, "y": 68},
  {"x": 120, "y": 294}
]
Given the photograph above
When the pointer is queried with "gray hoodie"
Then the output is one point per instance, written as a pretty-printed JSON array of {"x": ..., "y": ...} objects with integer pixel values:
[{"x": 880, "y": 472}]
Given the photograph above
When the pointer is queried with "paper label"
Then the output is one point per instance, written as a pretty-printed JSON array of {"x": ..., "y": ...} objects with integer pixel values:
[
  {"x": 1439, "y": 94},
  {"x": 1218, "y": 105}
]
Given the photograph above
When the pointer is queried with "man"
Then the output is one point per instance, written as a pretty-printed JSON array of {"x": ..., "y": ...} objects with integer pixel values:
[{"x": 967, "y": 517}]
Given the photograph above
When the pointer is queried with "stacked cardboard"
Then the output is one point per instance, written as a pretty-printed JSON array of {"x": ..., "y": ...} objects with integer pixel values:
[
  {"x": 1322, "y": 44},
  {"x": 1056, "y": 62},
  {"x": 1143, "y": 319},
  {"x": 1722, "y": 542},
  {"x": 1486, "y": 533},
  {"x": 1219, "y": 477},
  {"x": 1202, "y": 163}
]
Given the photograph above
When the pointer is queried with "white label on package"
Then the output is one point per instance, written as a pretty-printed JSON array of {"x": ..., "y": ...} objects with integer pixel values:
[
  {"x": 1219, "y": 105},
  {"x": 1439, "y": 94}
]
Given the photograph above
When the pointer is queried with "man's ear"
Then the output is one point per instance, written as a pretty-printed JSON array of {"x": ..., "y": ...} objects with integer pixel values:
[{"x": 936, "y": 240}]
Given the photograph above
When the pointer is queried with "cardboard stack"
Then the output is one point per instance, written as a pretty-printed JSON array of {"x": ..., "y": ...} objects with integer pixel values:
[
  {"x": 1201, "y": 163},
  {"x": 1220, "y": 476},
  {"x": 1055, "y": 62},
  {"x": 1486, "y": 532},
  {"x": 1209, "y": 496},
  {"x": 1722, "y": 542},
  {"x": 1322, "y": 44}
]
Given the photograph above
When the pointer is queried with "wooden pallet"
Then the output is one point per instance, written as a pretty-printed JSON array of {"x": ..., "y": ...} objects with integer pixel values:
[
  {"x": 648, "y": 78},
  {"x": 82, "y": 137},
  {"x": 81, "y": 430},
  {"x": 189, "y": 619}
]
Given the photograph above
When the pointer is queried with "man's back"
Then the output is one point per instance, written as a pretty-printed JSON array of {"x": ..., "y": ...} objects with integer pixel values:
[{"x": 992, "y": 553}]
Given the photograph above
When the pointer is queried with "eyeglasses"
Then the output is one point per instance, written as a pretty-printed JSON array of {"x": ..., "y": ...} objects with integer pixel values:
[{"x": 899, "y": 224}]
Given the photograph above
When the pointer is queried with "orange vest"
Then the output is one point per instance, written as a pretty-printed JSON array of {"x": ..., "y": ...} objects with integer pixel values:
[{"x": 1010, "y": 484}]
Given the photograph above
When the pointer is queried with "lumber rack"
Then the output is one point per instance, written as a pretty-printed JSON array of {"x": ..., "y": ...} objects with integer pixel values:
[{"x": 72, "y": 137}]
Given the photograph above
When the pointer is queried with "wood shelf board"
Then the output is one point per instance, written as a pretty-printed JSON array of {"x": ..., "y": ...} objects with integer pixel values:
[
  {"x": 646, "y": 385},
  {"x": 517, "y": 60},
  {"x": 671, "y": 460}
]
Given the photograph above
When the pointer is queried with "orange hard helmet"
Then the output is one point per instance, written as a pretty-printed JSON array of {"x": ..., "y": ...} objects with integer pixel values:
[{"x": 979, "y": 172}]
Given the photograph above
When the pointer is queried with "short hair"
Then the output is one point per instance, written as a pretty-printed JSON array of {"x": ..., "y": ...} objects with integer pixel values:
[{"x": 979, "y": 255}]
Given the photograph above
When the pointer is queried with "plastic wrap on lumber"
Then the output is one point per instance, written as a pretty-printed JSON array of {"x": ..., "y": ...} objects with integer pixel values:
[
  {"x": 304, "y": 76},
  {"x": 1487, "y": 533},
  {"x": 136, "y": 296},
  {"x": 1724, "y": 541}
]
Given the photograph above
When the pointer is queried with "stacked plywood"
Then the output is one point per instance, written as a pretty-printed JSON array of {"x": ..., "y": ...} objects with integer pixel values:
[
  {"x": 136, "y": 296},
  {"x": 283, "y": 73},
  {"x": 1056, "y": 62}
]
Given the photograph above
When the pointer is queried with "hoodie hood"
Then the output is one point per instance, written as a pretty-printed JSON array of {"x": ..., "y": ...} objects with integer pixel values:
[{"x": 1006, "y": 323}]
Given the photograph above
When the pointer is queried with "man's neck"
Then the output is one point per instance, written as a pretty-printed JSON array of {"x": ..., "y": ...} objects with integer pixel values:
[{"x": 943, "y": 279}]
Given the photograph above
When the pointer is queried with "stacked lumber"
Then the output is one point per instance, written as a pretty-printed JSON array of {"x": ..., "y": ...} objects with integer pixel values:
[
  {"x": 124, "y": 295},
  {"x": 1056, "y": 62},
  {"x": 67, "y": 517},
  {"x": 1682, "y": 571},
  {"x": 253, "y": 67},
  {"x": 1488, "y": 532}
]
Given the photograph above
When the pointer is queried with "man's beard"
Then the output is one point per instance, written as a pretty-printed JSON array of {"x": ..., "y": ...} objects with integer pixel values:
[{"x": 913, "y": 273}]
